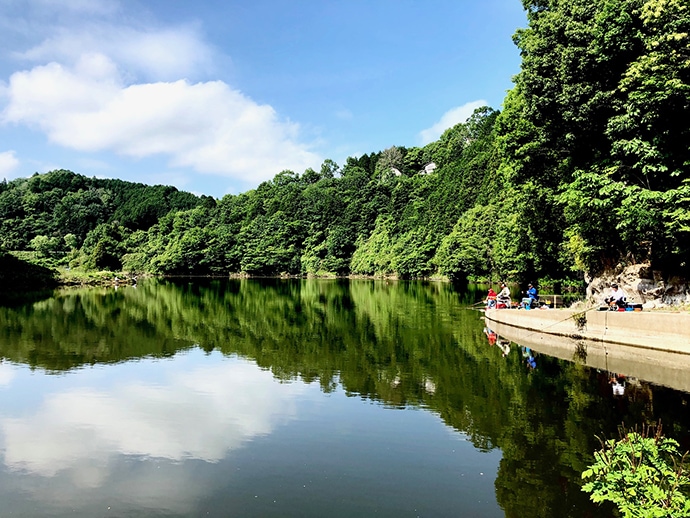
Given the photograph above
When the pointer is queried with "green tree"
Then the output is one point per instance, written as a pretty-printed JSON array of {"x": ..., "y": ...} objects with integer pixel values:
[
  {"x": 586, "y": 130},
  {"x": 71, "y": 241},
  {"x": 469, "y": 248},
  {"x": 180, "y": 243},
  {"x": 45, "y": 246},
  {"x": 270, "y": 246},
  {"x": 103, "y": 248}
]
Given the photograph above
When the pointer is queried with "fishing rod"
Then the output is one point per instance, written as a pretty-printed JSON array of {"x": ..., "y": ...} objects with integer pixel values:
[
  {"x": 573, "y": 316},
  {"x": 477, "y": 305}
]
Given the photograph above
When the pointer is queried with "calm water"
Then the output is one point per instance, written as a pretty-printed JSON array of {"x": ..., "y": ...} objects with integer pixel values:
[{"x": 295, "y": 398}]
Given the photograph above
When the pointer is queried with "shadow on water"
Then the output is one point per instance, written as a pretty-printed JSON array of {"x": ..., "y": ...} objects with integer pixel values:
[
  {"x": 23, "y": 281},
  {"x": 15, "y": 299},
  {"x": 402, "y": 344}
]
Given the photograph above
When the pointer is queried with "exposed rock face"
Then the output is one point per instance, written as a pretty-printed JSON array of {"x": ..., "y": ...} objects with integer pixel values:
[{"x": 640, "y": 284}]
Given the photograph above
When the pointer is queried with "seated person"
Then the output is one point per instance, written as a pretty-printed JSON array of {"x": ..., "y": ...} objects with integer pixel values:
[
  {"x": 617, "y": 298},
  {"x": 504, "y": 296},
  {"x": 531, "y": 297},
  {"x": 491, "y": 298}
]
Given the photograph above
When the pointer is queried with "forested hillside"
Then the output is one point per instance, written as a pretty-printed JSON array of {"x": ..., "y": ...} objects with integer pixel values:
[
  {"x": 586, "y": 167},
  {"x": 60, "y": 212}
]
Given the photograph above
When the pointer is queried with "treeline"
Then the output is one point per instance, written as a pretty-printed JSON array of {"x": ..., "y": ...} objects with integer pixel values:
[
  {"x": 585, "y": 169},
  {"x": 382, "y": 213}
]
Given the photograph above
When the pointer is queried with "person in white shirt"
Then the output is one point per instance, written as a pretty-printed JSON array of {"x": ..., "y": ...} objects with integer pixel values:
[
  {"x": 504, "y": 295},
  {"x": 617, "y": 296}
]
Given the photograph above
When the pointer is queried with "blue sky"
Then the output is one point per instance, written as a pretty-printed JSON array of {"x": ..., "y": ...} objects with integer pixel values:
[{"x": 216, "y": 96}]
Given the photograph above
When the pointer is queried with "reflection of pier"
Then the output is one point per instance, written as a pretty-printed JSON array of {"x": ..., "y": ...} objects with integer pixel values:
[{"x": 671, "y": 369}]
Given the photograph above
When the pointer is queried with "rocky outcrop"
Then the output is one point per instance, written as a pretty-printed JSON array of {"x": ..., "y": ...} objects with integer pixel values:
[{"x": 640, "y": 284}]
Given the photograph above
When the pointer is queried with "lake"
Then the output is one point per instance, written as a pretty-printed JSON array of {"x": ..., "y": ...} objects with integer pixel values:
[{"x": 304, "y": 398}]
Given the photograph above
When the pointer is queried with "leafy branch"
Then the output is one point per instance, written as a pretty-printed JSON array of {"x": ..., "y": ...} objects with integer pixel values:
[{"x": 642, "y": 473}]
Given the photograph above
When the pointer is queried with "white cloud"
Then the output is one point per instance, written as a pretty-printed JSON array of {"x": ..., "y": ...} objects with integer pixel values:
[
  {"x": 8, "y": 162},
  {"x": 154, "y": 54},
  {"x": 207, "y": 126},
  {"x": 450, "y": 119},
  {"x": 102, "y": 80}
]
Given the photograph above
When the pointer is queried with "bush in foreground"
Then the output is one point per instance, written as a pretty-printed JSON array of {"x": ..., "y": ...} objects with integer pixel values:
[{"x": 643, "y": 474}]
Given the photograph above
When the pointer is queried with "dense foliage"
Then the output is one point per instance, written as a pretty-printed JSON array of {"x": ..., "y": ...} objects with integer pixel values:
[
  {"x": 61, "y": 208},
  {"x": 586, "y": 167},
  {"x": 643, "y": 474},
  {"x": 602, "y": 105}
]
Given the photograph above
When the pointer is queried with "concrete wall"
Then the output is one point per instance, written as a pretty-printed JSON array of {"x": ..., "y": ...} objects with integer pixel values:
[{"x": 646, "y": 329}]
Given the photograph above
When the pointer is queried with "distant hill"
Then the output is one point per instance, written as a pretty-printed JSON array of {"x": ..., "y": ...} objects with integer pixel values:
[{"x": 61, "y": 202}]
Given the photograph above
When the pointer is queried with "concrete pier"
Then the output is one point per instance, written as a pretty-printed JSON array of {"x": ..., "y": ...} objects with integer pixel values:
[{"x": 655, "y": 330}]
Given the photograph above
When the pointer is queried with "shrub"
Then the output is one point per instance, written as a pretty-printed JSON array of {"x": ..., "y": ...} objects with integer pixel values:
[{"x": 643, "y": 474}]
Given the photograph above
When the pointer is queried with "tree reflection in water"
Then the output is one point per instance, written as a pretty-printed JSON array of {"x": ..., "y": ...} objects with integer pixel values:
[{"x": 403, "y": 344}]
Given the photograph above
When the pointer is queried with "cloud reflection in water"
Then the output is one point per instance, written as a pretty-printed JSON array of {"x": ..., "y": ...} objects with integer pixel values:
[
  {"x": 6, "y": 374},
  {"x": 89, "y": 436}
]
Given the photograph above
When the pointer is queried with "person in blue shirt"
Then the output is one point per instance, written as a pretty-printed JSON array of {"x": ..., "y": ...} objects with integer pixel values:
[{"x": 531, "y": 297}]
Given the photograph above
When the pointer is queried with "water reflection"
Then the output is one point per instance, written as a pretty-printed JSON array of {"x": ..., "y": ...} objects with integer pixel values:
[
  {"x": 202, "y": 433},
  {"x": 130, "y": 395},
  {"x": 198, "y": 413},
  {"x": 495, "y": 340},
  {"x": 7, "y": 373},
  {"x": 665, "y": 368},
  {"x": 96, "y": 433}
]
